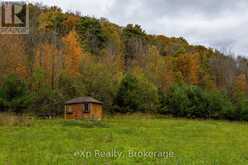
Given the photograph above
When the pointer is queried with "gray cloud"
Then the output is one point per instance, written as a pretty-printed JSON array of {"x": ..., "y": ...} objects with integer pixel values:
[{"x": 220, "y": 24}]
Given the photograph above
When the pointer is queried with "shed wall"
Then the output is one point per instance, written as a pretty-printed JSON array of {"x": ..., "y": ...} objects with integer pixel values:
[{"x": 77, "y": 110}]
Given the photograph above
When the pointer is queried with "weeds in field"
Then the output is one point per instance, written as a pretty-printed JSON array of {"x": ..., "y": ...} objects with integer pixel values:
[
  {"x": 86, "y": 124},
  {"x": 14, "y": 120}
]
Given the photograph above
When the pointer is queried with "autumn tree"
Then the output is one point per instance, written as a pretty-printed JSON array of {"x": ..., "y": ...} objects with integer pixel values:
[
  {"x": 71, "y": 22},
  {"x": 159, "y": 69},
  {"x": 240, "y": 85},
  {"x": 169, "y": 46},
  {"x": 72, "y": 54},
  {"x": 154, "y": 66},
  {"x": 189, "y": 66},
  {"x": 91, "y": 35},
  {"x": 223, "y": 70},
  {"x": 134, "y": 38},
  {"x": 113, "y": 45},
  {"x": 52, "y": 20},
  {"x": 170, "y": 75},
  {"x": 13, "y": 56},
  {"x": 47, "y": 59},
  {"x": 101, "y": 77}
]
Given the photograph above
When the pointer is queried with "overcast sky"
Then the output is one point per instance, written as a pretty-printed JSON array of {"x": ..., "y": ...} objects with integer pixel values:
[{"x": 221, "y": 24}]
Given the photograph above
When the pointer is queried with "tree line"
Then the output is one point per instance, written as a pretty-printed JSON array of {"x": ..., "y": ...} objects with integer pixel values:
[{"x": 68, "y": 55}]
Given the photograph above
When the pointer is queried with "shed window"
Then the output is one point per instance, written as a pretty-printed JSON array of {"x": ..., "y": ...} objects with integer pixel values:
[
  {"x": 86, "y": 108},
  {"x": 68, "y": 110}
]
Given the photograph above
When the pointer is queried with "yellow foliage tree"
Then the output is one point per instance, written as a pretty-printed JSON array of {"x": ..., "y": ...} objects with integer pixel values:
[
  {"x": 72, "y": 54},
  {"x": 240, "y": 85}
]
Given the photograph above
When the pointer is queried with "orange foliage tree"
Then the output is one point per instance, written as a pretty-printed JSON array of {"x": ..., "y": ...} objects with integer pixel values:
[
  {"x": 13, "y": 56},
  {"x": 72, "y": 54},
  {"x": 70, "y": 22},
  {"x": 240, "y": 84},
  {"x": 189, "y": 66}
]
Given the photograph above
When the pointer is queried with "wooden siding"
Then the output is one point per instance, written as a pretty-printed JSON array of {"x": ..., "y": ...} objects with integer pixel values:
[
  {"x": 96, "y": 111},
  {"x": 76, "y": 112}
]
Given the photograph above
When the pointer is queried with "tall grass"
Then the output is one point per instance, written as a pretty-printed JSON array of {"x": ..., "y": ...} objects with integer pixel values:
[{"x": 8, "y": 119}]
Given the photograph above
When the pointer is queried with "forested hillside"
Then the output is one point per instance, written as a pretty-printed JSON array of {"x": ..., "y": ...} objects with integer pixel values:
[{"x": 67, "y": 55}]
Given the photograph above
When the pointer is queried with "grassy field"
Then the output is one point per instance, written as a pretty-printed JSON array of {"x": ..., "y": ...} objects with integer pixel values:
[{"x": 83, "y": 142}]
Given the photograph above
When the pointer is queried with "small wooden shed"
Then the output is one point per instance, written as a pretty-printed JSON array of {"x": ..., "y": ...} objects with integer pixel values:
[{"x": 83, "y": 108}]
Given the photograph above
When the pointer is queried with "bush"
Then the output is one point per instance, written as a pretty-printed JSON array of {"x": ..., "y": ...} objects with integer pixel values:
[
  {"x": 242, "y": 108},
  {"x": 47, "y": 103},
  {"x": 194, "y": 102},
  {"x": 163, "y": 106},
  {"x": 14, "y": 95},
  {"x": 220, "y": 106},
  {"x": 178, "y": 101},
  {"x": 136, "y": 94},
  {"x": 70, "y": 87}
]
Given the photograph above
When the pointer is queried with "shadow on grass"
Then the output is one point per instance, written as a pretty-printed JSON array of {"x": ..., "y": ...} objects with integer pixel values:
[{"x": 85, "y": 124}]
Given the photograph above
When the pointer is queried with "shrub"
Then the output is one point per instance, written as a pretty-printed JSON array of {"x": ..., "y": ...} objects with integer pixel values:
[
  {"x": 194, "y": 102},
  {"x": 14, "y": 95},
  {"x": 197, "y": 102},
  {"x": 70, "y": 87},
  {"x": 178, "y": 101},
  {"x": 220, "y": 106},
  {"x": 47, "y": 103},
  {"x": 163, "y": 106},
  {"x": 136, "y": 94},
  {"x": 242, "y": 108}
]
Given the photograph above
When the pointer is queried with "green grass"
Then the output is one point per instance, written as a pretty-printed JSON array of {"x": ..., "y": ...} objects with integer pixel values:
[{"x": 61, "y": 142}]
